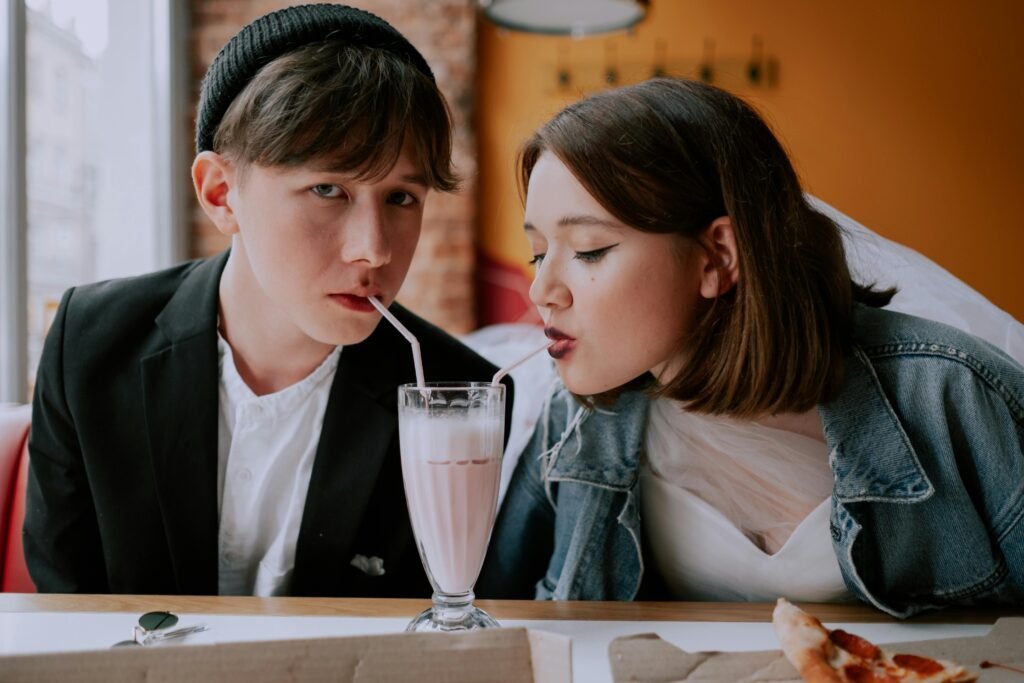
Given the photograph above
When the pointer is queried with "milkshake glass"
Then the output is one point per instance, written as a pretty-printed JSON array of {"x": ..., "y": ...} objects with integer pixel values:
[{"x": 451, "y": 438}]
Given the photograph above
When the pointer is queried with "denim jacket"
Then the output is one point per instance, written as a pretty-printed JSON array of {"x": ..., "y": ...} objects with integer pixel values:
[{"x": 926, "y": 447}]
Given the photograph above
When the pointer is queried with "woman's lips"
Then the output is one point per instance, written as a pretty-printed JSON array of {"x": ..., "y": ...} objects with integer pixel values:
[
  {"x": 563, "y": 343},
  {"x": 354, "y": 303},
  {"x": 561, "y": 348}
]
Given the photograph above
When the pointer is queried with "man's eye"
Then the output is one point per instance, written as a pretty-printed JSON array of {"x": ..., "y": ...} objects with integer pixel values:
[
  {"x": 594, "y": 255},
  {"x": 327, "y": 191},
  {"x": 401, "y": 199},
  {"x": 537, "y": 258}
]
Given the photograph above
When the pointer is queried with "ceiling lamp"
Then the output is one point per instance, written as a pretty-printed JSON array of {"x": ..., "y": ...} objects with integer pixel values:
[{"x": 565, "y": 17}]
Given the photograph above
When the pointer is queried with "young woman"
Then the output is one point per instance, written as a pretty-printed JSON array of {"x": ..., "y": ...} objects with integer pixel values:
[{"x": 724, "y": 381}]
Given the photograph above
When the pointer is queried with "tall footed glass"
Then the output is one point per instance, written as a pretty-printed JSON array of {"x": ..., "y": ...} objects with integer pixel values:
[{"x": 451, "y": 441}]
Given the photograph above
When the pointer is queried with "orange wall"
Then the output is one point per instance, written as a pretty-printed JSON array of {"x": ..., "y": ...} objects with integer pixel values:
[{"x": 905, "y": 115}]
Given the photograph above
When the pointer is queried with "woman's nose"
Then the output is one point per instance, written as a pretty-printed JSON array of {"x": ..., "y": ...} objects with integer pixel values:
[{"x": 548, "y": 290}]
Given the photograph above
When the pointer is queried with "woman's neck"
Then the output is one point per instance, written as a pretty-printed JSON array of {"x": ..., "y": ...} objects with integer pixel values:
[{"x": 806, "y": 424}]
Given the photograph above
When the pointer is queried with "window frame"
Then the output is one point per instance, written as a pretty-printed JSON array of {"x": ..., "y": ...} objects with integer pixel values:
[{"x": 13, "y": 207}]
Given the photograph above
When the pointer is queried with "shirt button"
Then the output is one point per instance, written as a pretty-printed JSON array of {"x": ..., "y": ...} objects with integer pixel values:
[
  {"x": 245, "y": 475},
  {"x": 229, "y": 557}
]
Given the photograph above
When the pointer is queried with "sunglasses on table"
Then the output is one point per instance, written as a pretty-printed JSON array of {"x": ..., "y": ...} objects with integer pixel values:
[{"x": 156, "y": 627}]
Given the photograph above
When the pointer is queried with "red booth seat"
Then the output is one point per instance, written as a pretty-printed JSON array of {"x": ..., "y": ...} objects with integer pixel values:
[{"x": 14, "y": 424}]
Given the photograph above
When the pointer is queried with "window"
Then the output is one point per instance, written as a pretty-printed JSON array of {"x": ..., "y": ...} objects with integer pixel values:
[{"x": 100, "y": 172}]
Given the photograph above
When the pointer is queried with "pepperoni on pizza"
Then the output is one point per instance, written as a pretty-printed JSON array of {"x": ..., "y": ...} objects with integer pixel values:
[{"x": 835, "y": 656}]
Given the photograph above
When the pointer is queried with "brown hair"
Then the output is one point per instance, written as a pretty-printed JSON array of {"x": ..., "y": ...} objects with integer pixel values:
[
  {"x": 351, "y": 108},
  {"x": 671, "y": 156}
]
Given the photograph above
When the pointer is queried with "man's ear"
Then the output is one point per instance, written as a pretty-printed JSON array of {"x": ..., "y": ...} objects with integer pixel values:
[
  {"x": 721, "y": 265},
  {"x": 213, "y": 177}
]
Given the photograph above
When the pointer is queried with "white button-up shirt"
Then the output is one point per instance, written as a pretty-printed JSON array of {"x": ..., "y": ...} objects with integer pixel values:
[{"x": 266, "y": 448}]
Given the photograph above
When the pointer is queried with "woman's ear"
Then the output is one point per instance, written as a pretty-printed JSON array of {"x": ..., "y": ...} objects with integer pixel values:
[
  {"x": 721, "y": 267},
  {"x": 213, "y": 177}
]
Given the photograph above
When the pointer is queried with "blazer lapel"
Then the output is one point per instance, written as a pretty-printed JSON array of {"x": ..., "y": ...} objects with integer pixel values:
[
  {"x": 360, "y": 430},
  {"x": 181, "y": 406}
]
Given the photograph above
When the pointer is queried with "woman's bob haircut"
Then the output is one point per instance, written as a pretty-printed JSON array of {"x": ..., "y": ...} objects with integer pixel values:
[{"x": 670, "y": 156}]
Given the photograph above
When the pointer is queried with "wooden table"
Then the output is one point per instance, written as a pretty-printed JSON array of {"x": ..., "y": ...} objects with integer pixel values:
[
  {"x": 500, "y": 609},
  {"x": 76, "y": 622}
]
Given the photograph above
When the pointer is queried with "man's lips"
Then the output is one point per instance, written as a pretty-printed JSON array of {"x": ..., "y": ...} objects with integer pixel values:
[
  {"x": 563, "y": 343},
  {"x": 354, "y": 302}
]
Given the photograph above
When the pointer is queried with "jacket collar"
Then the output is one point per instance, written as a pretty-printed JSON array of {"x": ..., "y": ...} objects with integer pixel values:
[
  {"x": 359, "y": 433},
  {"x": 193, "y": 309},
  {"x": 180, "y": 389},
  {"x": 600, "y": 446},
  {"x": 871, "y": 456}
]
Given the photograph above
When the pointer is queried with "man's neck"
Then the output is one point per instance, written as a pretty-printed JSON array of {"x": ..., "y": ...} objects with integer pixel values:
[{"x": 270, "y": 352}]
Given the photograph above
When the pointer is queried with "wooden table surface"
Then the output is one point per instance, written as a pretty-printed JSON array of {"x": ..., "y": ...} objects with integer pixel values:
[{"x": 501, "y": 609}]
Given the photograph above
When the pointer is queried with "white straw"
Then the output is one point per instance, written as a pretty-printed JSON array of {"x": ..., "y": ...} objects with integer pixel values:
[
  {"x": 504, "y": 371},
  {"x": 416, "y": 360}
]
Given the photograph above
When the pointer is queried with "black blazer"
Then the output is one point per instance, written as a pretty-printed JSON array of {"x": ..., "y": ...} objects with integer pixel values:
[{"x": 122, "y": 489}]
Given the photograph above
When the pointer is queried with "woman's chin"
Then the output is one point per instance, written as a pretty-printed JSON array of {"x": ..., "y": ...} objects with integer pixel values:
[
  {"x": 582, "y": 384},
  {"x": 569, "y": 379}
]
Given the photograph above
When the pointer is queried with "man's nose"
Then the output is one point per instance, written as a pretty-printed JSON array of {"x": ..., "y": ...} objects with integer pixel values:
[{"x": 365, "y": 237}]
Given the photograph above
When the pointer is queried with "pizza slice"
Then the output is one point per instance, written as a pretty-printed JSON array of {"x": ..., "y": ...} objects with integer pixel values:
[{"x": 835, "y": 656}]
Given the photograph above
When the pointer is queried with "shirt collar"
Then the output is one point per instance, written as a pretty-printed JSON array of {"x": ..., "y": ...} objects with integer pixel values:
[
  {"x": 600, "y": 446},
  {"x": 285, "y": 400}
]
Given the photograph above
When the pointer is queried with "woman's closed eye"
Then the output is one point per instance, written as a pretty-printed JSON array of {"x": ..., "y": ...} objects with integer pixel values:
[
  {"x": 591, "y": 256},
  {"x": 594, "y": 255}
]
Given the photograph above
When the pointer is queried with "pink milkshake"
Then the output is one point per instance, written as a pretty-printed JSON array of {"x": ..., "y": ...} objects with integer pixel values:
[{"x": 451, "y": 465}]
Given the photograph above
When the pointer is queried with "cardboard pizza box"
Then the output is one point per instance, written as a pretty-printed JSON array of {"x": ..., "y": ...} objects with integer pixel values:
[
  {"x": 646, "y": 658},
  {"x": 516, "y": 655}
]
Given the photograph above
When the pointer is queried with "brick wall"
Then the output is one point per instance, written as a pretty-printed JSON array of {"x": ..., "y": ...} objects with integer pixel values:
[{"x": 440, "y": 283}]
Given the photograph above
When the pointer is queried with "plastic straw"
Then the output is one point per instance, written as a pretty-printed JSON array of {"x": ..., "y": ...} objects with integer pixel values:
[
  {"x": 504, "y": 371},
  {"x": 417, "y": 361}
]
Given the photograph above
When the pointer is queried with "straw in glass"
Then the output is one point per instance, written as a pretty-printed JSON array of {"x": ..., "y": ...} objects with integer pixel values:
[{"x": 417, "y": 361}]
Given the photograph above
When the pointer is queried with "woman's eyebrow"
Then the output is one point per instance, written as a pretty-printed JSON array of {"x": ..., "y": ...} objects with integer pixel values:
[
  {"x": 587, "y": 219},
  {"x": 581, "y": 219}
]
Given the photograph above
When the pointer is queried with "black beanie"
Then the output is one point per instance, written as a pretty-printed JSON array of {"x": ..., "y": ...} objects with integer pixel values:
[{"x": 278, "y": 33}]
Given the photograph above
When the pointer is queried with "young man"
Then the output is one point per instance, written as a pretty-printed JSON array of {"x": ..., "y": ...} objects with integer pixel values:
[{"x": 229, "y": 425}]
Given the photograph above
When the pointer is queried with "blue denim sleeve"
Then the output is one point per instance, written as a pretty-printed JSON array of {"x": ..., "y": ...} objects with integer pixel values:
[
  {"x": 999, "y": 465},
  {"x": 984, "y": 423},
  {"x": 523, "y": 537}
]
